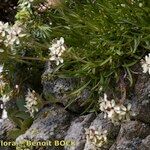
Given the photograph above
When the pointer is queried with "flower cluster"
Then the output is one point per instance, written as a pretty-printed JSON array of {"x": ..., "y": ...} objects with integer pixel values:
[
  {"x": 116, "y": 112},
  {"x": 56, "y": 50},
  {"x": 10, "y": 35},
  {"x": 3, "y": 28},
  {"x": 96, "y": 137},
  {"x": 31, "y": 102},
  {"x": 5, "y": 98},
  {"x": 25, "y": 4},
  {"x": 146, "y": 64},
  {"x": 48, "y": 4}
]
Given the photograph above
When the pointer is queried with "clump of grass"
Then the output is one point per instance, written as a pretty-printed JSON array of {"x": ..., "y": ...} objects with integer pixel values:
[{"x": 105, "y": 39}]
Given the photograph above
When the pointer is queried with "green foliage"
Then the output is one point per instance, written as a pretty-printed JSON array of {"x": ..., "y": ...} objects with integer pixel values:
[
  {"x": 22, "y": 122},
  {"x": 20, "y": 117},
  {"x": 104, "y": 40},
  {"x": 13, "y": 134}
]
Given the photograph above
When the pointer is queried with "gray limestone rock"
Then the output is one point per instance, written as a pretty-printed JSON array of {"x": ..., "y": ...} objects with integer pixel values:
[
  {"x": 131, "y": 135},
  {"x": 141, "y": 100},
  {"x": 57, "y": 90},
  {"x": 76, "y": 132},
  {"x": 145, "y": 143},
  {"x": 51, "y": 124},
  {"x": 5, "y": 126}
]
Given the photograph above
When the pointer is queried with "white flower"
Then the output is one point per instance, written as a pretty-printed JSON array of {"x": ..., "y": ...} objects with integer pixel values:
[
  {"x": 26, "y": 4},
  {"x": 14, "y": 33},
  {"x": 58, "y": 46},
  {"x": 111, "y": 113},
  {"x": 96, "y": 137},
  {"x": 1, "y": 50},
  {"x": 31, "y": 102},
  {"x": 105, "y": 104},
  {"x": 5, "y": 98},
  {"x": 146, "y": 64},
  {"x": 17, "y": 86},
  {"x": 116, "y": 112},
  {"x": 56, "y": 51},
  {"x": 1, "y": 68},
  {"x": 123, "y": 5},
  {"x": 3, "y": 28},
  {"x": 140, "y": 4},
  {"x": 42, "y": 8},
  {"x": 1, "y": 106},
  {"x": 56, "y": 57},
  {"x": 120, "y": 109},
  {"x": 4, "y": 114}
]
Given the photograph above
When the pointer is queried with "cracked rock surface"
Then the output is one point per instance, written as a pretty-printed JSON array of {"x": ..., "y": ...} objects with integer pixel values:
[
  {"x": 54, "y": 122},
  {"x": 76, "y": 131},
  {"x": 56, "y": 90},
  {"x": 131, "y": 135}
]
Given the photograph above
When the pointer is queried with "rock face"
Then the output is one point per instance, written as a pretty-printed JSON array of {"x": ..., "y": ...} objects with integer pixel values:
[
  {"x": 131, "y": 135},
  {"x": 52, "y": 123},
  {"x": 76, "y": 132},
  {"x": 141, "y": 100},
  {"x": 57, "y": 89},
  {"x": 5, "y": 126},
  {"x": 1, "y": 108},
  {"x": 145, "y": 143}
]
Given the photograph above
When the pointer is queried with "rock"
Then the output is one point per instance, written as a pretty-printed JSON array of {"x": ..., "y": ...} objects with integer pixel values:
[
  {"x": 131, "y": 135},
  {"x": 51, "y": 124},
  {"x": 1, "y": 108},
  {"x": 76, "y": 132},
  {"x": 142, "y": 86},
  {"x": 103, "y": 124},
  {"x": 57, "y": 89},
  {"x": 8, "y": 10},
  {"x": 141, "y": 99},
  {"x": 128, "y": 145},
  {"x": 145, "y": 143},
  {"x": 5, "y": 126},
  {"x": 134, "y": 129}
]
